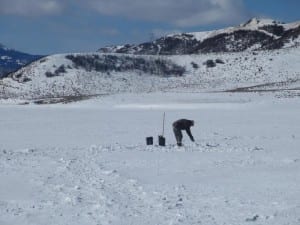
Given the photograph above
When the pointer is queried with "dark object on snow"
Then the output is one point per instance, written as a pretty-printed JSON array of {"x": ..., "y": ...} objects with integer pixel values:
[
  {"x": 210, "y": 63},
  {"x": 182, "y": 124},
  {"x": 161, "y": 140},
  {"x": 253, "y": 219},
  {"x": 220, "y": 61},
  {"x": 149, "y": 140}
]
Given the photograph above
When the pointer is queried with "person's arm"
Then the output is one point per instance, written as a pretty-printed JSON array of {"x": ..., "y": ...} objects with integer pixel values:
[{"x": 188, "y": 131}]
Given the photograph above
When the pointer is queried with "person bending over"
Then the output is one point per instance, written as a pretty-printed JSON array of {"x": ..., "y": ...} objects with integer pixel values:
[{"x": 182, "y": 124}]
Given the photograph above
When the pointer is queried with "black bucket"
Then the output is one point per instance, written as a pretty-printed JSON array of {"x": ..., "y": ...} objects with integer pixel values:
[
  {"x": 149, "y": 140},
  {"x": 161, "y": 140}
]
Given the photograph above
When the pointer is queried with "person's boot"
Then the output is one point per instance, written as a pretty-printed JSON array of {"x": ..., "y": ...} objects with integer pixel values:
[{"x": 179, "y": 144}]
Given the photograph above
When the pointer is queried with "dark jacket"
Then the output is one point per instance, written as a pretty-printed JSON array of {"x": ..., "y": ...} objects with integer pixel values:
[{"x": 184, "y": 124}]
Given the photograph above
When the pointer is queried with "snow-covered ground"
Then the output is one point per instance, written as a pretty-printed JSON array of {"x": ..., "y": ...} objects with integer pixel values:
[
  {"x": 241, "y": 69},
  {"x": 87, "y": 162}
]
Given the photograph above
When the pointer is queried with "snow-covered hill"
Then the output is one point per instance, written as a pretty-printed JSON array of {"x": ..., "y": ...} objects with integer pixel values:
[
  {"x": 97, "y": 74},
  {"x": 11, "y": 60},
  {"x": 256, "y": 34},
  {"x": 80, "y": 75}
]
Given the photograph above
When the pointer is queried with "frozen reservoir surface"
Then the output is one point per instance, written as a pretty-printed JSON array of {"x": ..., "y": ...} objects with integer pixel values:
[{"x": 88, "y": 163}]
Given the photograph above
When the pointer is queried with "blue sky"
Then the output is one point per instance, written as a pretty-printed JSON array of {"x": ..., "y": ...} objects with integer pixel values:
[{"x": 60, "y": 26}]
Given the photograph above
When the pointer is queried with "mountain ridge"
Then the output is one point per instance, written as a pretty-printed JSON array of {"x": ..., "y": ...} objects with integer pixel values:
[
  {"x": 12, "y": 60},
  {"x": 255, "y": 34}
]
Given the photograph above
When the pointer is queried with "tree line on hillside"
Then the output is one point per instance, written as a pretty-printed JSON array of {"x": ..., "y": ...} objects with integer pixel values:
[{"x": 113, "y": 63}]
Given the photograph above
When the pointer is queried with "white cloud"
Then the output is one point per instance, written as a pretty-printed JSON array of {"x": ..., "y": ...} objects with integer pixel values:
[
  {"x": 180, "y": 13},
  {"x": 30, "y": 7}
]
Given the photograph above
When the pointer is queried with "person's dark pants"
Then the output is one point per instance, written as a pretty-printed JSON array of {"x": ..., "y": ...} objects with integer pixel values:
[{"x": 178, "y": 136}]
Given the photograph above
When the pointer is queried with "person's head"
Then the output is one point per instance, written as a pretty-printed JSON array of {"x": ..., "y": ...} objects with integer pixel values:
[{"x": 192, "y": 122}]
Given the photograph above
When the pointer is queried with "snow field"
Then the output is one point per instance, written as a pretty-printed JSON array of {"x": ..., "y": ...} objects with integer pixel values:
[{"x": 87, "y": 162}]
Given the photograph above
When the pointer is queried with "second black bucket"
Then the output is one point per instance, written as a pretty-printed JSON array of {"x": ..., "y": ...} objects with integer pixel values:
[
  {"x": 149, "y": 140},
  {"x": 161, "y": 140}
]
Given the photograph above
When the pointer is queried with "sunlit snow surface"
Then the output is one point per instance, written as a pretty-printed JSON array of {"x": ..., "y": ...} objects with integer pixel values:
[{"x": 87, "y": 162}]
